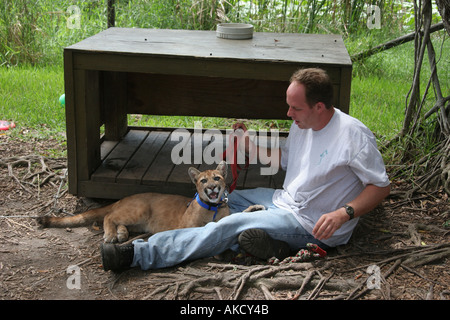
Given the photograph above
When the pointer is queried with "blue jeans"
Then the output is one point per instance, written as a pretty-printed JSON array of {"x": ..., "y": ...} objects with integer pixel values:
[{"x": 169, "y": 248}]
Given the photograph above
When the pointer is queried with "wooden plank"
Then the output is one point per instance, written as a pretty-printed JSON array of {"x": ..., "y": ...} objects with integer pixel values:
[
  {"x": 106, "y": 147},
  {"x": 345, "y": 89},
  {"x": 137, "y": 166},
  {"x": 293, "y": 47},
  {"x": 87, "y": 118},
  {"x": 114, "y": 104},
  {"x": 235, "y": 69},
  {"x": 112, "y": 190},
  {"x": 162, "y": 166},
  {"x": 118, "y": 158},
  {"x": 80, "y": 122},
  {"x": 194, "y": 146},
  {"x": 92, "y": 112},
  {"x": 206, "y": 96},
  {"x": 71, "y": 128}
]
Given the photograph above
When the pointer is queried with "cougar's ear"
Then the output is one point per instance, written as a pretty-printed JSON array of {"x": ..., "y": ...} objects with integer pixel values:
[
  {"x": 222, "y": 168},
  {"x": 193, "y": 173}
]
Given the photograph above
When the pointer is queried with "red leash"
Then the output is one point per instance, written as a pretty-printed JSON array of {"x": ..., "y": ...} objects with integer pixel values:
[{"x": 235, "y": 167}]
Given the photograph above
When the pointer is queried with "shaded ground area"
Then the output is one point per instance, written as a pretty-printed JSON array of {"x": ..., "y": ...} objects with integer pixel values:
[{"x": 400, "y": 251}]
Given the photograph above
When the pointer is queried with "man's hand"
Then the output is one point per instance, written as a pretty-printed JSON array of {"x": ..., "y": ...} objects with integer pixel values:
[
  {"x": 239, "y": 125},
  {"x": 368, "y": 199},
  {"x": 253, "y": 151},
  {"x": 245, "y": 144},
  {"x": 328, "y": 223}
]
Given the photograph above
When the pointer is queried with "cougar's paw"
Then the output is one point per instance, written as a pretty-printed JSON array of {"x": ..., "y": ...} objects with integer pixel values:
[
  {"x": 256, "y": 207},
  {"x": 122, "y": 233},
  {"x": 110, "y": 238}
]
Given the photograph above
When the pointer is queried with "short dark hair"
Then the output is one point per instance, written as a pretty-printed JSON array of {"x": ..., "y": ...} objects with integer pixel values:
[{"x": 318, "y": 86}]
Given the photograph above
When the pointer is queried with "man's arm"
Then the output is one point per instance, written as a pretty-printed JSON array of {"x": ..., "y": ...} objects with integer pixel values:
[
  {"x": 369, "y": 198},
  {"x": 252, "y": 150}
]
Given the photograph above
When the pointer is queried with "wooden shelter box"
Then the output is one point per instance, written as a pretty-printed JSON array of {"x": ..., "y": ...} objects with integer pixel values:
[{"x": 123, "y": 71}]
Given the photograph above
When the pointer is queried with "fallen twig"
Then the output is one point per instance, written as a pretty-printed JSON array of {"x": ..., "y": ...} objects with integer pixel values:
[
  {"x": 415, "y": 250},
  {"x": 419, "y": 275},
  {"x": 242, "y": 281},
  {"x": 319, "y": 286},
  {"x": 45, "y": 171},
  {"x": 423, "y": 258},
  {"x": 305, "y": 281}
]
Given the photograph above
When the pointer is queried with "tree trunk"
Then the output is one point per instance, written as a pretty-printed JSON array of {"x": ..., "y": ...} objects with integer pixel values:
[
  {"x": 438, "y": 165},
  {"x": 444, "y": 10}
]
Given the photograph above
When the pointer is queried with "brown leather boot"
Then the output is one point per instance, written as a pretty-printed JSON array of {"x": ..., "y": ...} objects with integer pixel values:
[
  {"x": 259, "y": 244},
  {"x": 116, "y": 257}
]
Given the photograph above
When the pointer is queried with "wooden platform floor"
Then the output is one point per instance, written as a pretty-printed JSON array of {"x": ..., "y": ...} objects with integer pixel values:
[{"x": 144, "y": 158}]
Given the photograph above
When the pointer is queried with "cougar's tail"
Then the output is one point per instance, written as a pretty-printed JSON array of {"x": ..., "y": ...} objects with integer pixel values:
[{"x": 79, "y": 220}]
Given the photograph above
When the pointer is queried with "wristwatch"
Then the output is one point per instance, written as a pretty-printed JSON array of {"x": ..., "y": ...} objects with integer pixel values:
[{"x": 350, "y": 211}]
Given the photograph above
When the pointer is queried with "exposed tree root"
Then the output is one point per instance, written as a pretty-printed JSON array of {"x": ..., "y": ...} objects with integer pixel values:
[
  {"x": 38, "y": 172},
  {"x": 238, "y": 279},
  {"x": 305, "y": 280}
]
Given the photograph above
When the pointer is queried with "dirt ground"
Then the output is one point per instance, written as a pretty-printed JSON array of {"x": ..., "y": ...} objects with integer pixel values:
[{"x": 403, "y": 244}]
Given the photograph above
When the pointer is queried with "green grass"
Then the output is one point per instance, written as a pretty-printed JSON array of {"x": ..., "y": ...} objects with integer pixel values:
[
  {"x": 378, "y": 107},
  {"x": 29, "y": 97}
]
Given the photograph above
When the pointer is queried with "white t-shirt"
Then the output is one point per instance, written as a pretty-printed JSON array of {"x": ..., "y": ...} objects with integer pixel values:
[{"x": 328, "y": 168}]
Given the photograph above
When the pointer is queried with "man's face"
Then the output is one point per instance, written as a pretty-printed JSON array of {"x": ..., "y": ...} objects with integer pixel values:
[{"x": 304, "y": 116}]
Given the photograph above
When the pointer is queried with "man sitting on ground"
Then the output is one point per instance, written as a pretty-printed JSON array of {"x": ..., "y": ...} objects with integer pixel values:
[{"x": 334, "y": 174}]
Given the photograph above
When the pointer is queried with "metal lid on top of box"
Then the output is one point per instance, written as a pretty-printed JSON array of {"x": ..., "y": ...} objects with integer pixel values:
[{"x": 234, "y": 31}]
